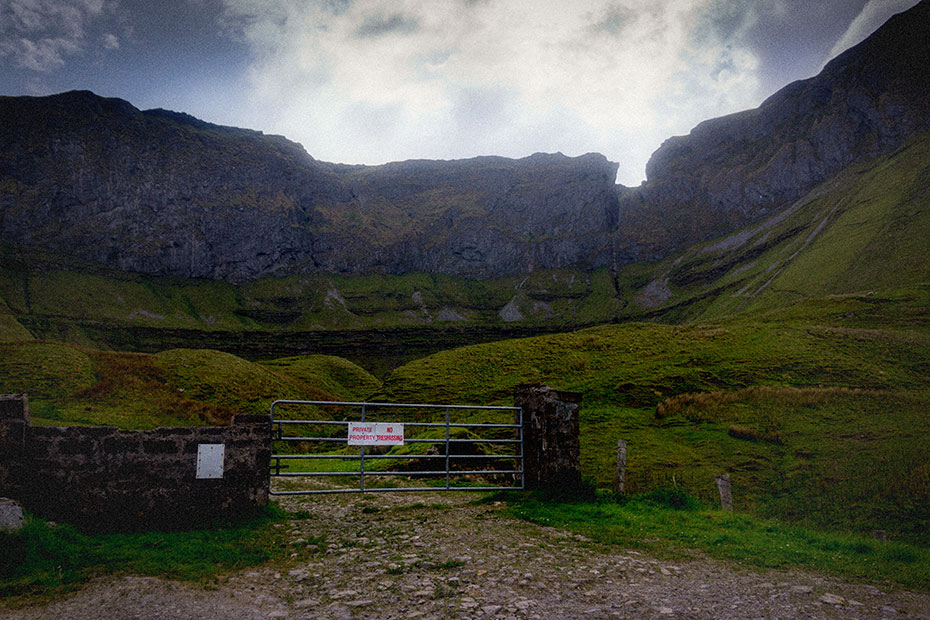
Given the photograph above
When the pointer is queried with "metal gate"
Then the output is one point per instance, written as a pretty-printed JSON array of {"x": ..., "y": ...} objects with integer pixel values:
[{"x": 357, "y": 447}]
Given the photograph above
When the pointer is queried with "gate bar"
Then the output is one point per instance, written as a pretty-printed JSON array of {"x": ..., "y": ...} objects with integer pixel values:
[{"x": 400, "y": 405}]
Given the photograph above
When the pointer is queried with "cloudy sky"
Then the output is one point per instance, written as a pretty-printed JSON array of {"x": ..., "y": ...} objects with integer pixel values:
[{"x": 370, "y": 81}]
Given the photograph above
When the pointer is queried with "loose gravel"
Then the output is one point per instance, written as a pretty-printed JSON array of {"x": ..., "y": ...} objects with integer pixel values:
[{"x": 437, "y": 556}]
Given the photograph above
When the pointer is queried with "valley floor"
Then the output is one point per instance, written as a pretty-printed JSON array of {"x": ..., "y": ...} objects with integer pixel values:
[{"x": 442, "y": 556}]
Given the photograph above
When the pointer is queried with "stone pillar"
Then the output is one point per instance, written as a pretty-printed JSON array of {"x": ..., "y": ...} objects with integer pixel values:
[{"x": 551, "y": 449}]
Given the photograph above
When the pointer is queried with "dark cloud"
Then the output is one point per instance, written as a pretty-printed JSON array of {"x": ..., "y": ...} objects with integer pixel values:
[
  {"x": 39, "y": 35},
  {"x": 795, "y": 42},
  {"x": 380, "y": 25},
  {"x": 615, "y": 20}
]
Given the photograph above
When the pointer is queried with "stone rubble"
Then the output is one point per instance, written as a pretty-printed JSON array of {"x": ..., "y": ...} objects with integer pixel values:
[{"x": 423, "y": 556}]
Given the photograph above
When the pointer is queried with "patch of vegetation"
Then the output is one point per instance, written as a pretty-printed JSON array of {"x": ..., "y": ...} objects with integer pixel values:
[
  {"x": 336, "y": 376},
  {"x": 817, "y": 409},
  {"x": 668, "y": 520},
  {"x": 182, "y": 387},
  {"x": 58, "y": 297},
  {"x": 10, "y": 329},
  {"x": 43, "y": 558}
]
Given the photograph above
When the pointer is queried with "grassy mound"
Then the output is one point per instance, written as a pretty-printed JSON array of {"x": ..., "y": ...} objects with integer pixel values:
[
  {"x": 338, "y": 378},
  {"x": 180, "y": 387}
]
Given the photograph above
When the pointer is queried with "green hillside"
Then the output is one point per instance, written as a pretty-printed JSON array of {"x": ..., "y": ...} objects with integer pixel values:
[
  {"x": 49, "y": 296},
  {"x": 70, "y": 385},
  {"x": 792, "y": 354},
  {"x": 865, "y": 229},
  {"x": 818, "y": 409}
]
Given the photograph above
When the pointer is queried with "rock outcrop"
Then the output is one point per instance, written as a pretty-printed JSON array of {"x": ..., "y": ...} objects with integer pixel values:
[
  {"x": 156, "y": 192},
  {"x": 481, "y": 217},
  {"x": 738, "y": 169},
  {"x": 159, "y": 192}
]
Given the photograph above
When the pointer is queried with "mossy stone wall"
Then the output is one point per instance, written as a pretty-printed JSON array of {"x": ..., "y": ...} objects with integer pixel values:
[{"x": 103, "y": 478}]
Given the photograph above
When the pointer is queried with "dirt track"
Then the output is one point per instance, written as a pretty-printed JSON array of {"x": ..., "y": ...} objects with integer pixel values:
[{"x": 440, "y": 556}]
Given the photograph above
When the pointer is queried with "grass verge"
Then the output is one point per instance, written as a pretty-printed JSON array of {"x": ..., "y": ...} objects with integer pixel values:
[
  {"x": 44, "y": 558},
  {"x": 668, "y": 520}
]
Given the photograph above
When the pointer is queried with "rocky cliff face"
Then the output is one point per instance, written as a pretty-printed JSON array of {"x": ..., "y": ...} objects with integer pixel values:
[
  {"x": 163, "y": 193},
  {"x": 156, "y": 192},
  {"x": 479, "y": 217},
  {"x": 735, "y": 170}
]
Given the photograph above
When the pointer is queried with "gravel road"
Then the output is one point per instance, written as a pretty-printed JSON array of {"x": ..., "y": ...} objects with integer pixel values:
[{"x": 441, "y": 556}]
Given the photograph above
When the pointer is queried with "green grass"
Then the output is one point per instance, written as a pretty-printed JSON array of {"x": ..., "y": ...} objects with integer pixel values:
[
  {"x": 179, "y": 387},
  {"x": 653, "y": 522},
  {"x": 10, "y": 329},
  {"x": 864, "y": 229},
  {"x": 44, "y": 559},
  {"x": 57, "y": 297},
  {"x": 816, "y": 409},
  {"x": 338, "y": 377}
]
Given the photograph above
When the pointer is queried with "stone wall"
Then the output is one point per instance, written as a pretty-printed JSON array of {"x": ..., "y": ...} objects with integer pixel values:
[
  {"x": 104, "y": 478},
  {"x": 551, "y": 444}
]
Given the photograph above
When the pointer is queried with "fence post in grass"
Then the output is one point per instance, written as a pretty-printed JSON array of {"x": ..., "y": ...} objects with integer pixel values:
[
  {"x": 723, "y": 486},
  {"x": 620, "y": 478}
]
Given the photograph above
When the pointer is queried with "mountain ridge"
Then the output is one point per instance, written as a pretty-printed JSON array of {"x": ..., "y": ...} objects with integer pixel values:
[
  {"x": 163, "y": 193},
  {"x": 735, "y": 170}
]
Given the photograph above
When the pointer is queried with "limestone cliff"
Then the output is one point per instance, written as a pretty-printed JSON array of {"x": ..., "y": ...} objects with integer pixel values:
[
  {"x": 163, "y": 193},
  {"x": 738, "y": 169},
  {"x": 160, "y": 192}
]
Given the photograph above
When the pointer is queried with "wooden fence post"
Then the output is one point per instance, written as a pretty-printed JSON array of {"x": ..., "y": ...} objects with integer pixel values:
[
  {"x": 620, "y": 478},
  {"x": 723, "y": 485}
]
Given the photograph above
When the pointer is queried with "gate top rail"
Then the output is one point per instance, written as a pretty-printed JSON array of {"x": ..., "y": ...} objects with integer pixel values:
[{"x": 406, "y": 405}]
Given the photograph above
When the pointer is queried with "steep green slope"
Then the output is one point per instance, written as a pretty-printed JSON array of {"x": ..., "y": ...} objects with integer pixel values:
[
  {"x": 55, "y": 295},
  {"x": 865, "y": 229},
  {"x": 817, "y": 409},
  {"x": 377, "y": 321},
  {"x": 10, "y": 329}
]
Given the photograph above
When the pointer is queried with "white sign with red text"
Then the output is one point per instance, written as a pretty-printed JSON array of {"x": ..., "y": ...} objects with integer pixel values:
[{"x": 376, "y": 434}]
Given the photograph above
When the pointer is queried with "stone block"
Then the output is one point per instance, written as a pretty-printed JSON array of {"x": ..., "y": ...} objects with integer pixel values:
[
  {"x": 160, "y": 446},
  {"x": 78, "y": 445},
  {"x": 122, "y": 443},
  {"x": 14, "y": 407},
  {"x": 11, "y": 515}
]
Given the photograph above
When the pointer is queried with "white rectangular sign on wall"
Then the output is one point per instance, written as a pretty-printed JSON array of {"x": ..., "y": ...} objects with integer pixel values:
[
  {"x": 210, "y": 458},
  {"x": 376, "y": 434}
]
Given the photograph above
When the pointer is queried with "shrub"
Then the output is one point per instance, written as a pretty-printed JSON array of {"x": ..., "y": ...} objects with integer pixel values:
[
  {"x": 670, "y": 497},
  {"x": 738, "y": 431}
]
